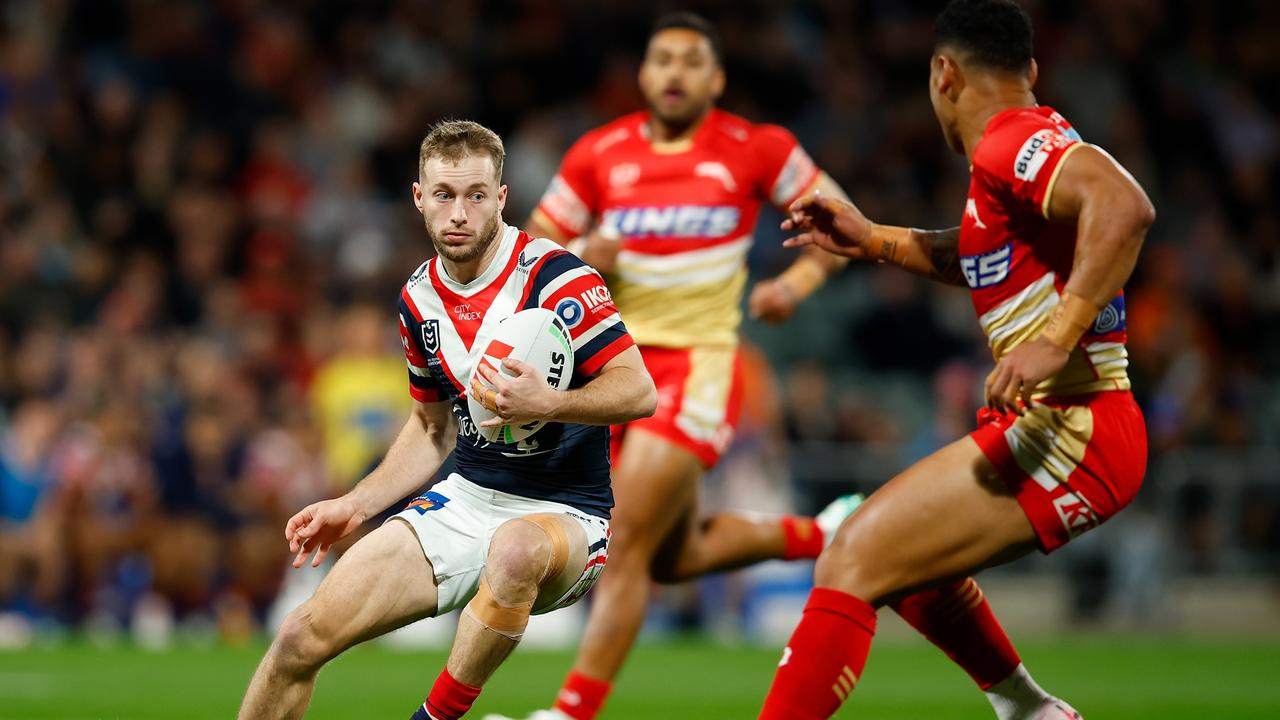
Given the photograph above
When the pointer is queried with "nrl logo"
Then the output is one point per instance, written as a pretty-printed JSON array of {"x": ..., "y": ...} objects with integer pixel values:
[{"x": 431, "y": 336}]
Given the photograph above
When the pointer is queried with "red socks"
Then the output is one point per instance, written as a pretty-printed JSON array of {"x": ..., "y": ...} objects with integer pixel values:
[
  {"x": 449, "y": 699},
  {"x": 959, "y": 621},
  {"x": 802, "y": 539},
  {"x": 582, "y": 696},
  {"x": 822, "y": 662}
]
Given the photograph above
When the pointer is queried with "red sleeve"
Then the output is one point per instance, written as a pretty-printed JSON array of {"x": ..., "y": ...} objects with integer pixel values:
[
  {"x": 1026, "y": 157},
  {"x": 784, "y": 170},
  {"x": 571, "y": 199}
]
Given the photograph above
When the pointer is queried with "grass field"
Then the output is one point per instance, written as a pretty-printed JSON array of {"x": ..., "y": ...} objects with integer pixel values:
[{"x": 1129, "y": 678}]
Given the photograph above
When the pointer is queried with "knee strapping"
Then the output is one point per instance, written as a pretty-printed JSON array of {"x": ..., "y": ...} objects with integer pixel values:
[
  {"x": 559, "y": 557},
  {"x": 506, "y": 619}
]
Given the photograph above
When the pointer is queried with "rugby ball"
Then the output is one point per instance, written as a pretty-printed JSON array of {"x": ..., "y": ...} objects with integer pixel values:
[{"x": 536, "y": 336}]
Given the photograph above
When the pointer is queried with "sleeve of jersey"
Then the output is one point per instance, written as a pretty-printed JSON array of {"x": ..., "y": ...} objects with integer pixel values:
[
  {"x": 422, "y": 387},
  {"x": 1029, "y": 158},
  {"x": 570, "y": 200},
  {"x": 785, "y": 170},
  {"x": 577, "y": 293}
]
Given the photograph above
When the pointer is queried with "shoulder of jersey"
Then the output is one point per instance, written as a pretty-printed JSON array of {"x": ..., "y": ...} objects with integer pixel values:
[
  {"x": 418, "y": 275},
  {"x": 999, "y": 145},
  {"x": 735, "y": 128},
  {"x": 536, "y": 248},
  {"x": 612, "y": 133}
]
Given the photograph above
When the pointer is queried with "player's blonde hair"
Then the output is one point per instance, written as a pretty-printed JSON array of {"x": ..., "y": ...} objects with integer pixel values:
[{"x": 453, "y": 140}]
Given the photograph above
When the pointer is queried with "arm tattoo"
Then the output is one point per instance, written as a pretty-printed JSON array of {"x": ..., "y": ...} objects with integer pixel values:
[
  {"x": 888, "y": 250},
  {"x": 944, "y": 255}
]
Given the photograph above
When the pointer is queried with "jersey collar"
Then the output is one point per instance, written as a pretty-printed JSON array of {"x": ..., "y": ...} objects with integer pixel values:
[
  {"x": 1005, "y": 116},
  {"x": 678, "y": 146},
  {"x": 506, "y": 242}
]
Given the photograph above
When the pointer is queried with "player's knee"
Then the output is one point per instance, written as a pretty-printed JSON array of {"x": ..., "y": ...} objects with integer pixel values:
[
  {"x": 520, "y": 556},
  {"x": 300, "y": 646},
  {"x": 852, "y": 565}
]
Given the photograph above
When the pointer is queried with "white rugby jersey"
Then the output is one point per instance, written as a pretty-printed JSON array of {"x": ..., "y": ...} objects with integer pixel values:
[{"x": 445, "y": 326}]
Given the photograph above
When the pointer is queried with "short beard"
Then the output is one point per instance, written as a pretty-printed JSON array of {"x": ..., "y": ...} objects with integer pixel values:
[
  {"x": 677, "y": 124},
  {"x": 484, "y": 239}
]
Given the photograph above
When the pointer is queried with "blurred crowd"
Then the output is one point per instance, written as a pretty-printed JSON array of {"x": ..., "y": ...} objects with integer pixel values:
[{"x": 205, "y": 219}]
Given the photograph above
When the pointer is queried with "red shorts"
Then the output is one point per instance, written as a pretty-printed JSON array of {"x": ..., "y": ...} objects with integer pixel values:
[
  {"x": 699, "y": 400},
  {"x": 1072, "y": 462}
]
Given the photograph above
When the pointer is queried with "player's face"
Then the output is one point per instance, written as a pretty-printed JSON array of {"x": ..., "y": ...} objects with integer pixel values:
[
  {"x": 942, "y": 84},
  {"x": 461, "y": 206},
  {"x": 680, "y": 77}
]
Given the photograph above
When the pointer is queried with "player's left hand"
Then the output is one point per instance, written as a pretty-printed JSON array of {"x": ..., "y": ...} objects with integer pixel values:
[
  {"x": 772, "y": 301},
  {"x": 1020, "y": 371},
  {"x": 522, "y": 398}
]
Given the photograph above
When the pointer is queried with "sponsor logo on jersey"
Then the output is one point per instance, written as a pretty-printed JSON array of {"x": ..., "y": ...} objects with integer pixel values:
[
  {"x": 570, "y": 311},
  {"x": 427, "y": 502},
  {"x": 681, "y": 221},
  {"x": 1035, "y": 152},
  {"x": 716, "y": 171},
  {"x": 1064, "y": 128},
  {"x": 596, "y": 296},
  {"x": 987, "y": 269},
  {"x": 1032, "y": 155},
  {"x": 971, "y": 210},
  {"x": 464, "y": 312},
  {"x": 418, "y": 275},
  {"x": 1076, "y": 515},
  {"x": 624, "y": 175},
  {"x": 431, "y": 336},
  {"x": 1111, "y": 318},
  {"x": 524, "y": 264}
]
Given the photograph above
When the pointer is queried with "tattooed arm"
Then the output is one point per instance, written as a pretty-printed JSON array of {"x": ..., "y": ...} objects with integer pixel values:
[{"x": 839, "y": 227}]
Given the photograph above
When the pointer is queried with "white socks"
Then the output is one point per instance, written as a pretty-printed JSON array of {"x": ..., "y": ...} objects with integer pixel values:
[{"x": 1017, "y": 697}]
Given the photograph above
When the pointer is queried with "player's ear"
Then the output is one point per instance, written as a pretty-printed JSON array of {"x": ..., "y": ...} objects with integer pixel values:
[
  {"x": 717, "y": 83},
  {"x": 947, "y": 76},
  {"x": 502, "y": 197},
  {"x": 1033, "y": 73},
  {"x": 417, "y": 195}
]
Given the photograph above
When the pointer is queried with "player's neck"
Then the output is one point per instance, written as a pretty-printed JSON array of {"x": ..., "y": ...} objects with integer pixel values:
[
  {"x": 985, "y": 100},
  {"x": 665, "y": 133}
]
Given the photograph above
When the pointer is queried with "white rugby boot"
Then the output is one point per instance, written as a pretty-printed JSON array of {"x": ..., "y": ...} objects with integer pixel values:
[
  {"x": 1055, "y": 709},
  {"x": 834, "y": 513}
]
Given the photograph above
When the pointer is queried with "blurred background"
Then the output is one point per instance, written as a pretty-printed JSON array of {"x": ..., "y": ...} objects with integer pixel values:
[{"x": 205, "y": 219}]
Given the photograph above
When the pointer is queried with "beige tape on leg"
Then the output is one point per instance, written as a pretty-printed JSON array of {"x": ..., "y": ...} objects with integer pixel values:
[
  {"x": 507, "y": 620},
  {"x": 559, "y": 544}
]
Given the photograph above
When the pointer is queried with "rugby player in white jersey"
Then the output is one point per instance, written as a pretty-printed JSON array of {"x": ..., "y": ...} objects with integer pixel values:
[{"x": 516, "y": 529}]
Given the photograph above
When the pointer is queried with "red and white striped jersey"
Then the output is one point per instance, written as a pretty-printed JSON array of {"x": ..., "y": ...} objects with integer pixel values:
[
  {"x": 685, "y": 213},
  {"x": 1017, "y": 262},
  {"x": 445, "y": 327}
]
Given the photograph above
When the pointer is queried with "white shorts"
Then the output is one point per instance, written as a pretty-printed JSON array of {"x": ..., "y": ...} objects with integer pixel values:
[{"x": 456, "y": 520}]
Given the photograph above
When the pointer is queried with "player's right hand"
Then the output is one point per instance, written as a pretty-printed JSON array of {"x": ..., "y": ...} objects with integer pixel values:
[
  {"x": 834, "y": 225},
  {"x": 318, "y": 526}
]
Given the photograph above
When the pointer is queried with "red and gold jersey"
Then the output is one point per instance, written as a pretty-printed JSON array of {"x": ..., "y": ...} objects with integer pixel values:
[
  {"x": 684, "y": 213},
  {"x": 1017, "y": 262}
]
